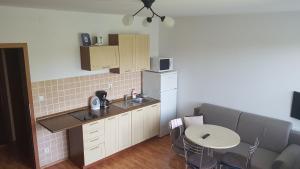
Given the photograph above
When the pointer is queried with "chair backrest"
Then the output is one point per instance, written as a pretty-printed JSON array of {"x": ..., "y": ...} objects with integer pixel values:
[
  {"x": 175, "y": 123},
  {"x": 192, "y": 149},
  {"x": 176, "y": 129},
  {"x": 251, "y": 152}
]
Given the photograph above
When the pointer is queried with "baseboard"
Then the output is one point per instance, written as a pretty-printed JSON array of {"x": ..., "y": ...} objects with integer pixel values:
[{"x": 54, "y": 163}]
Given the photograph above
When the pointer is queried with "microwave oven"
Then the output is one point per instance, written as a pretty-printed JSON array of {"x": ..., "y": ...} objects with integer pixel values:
[{"x": 159, "y": 64}]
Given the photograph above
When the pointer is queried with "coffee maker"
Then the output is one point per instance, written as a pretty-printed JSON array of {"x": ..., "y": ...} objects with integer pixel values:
[{"x": 102, "y": 97}]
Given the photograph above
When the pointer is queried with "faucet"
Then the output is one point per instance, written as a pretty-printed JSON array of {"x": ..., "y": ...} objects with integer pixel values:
[{"x": 126, "y": 98}]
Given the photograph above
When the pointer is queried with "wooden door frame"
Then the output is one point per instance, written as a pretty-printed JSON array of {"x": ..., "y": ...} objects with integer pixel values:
[{"x": 24, "y": 47}]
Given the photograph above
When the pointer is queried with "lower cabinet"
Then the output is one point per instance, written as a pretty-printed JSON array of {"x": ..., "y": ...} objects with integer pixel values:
[
  {"x": 151, "y": 121},
  {"x": 94, "y": 153},
  {"x": 145, "y": 123},
  {"x": 94, "y": 141},
  {"x": 137, "y": 125},
  {"x": 111, "y": 135},
  {"x": 86, "y": 143},
  {"x": 124, "y": 130}
]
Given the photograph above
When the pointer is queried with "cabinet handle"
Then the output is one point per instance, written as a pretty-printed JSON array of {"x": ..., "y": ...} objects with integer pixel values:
[
  {"x": 127, "y": 71},
  {"x": 94, "y": 140},
  {"x": 140, "y": 109},
  {"x": 94, "y": 148},
  {"x": 106, "y": 67},
  {"x": 93, "y": 123},
  {"x": 111, "y": 118},
  {"x": 92, "y": 132}
]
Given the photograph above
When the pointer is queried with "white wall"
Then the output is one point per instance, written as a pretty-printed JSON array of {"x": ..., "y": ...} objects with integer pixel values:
[
  {"x": 248, "y": 62},
  {"x": 53, "y": 37}
]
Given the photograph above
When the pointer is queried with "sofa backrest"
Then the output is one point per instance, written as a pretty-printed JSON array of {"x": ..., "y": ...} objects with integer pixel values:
[
  {"x": 273, "y": 133},
  {"x": 218, "y": 115}
]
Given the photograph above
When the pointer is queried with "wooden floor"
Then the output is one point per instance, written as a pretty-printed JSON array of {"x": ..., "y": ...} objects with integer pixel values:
[
  {"x": 10, "y": 158},
  {"x": 152, "y": 154}
]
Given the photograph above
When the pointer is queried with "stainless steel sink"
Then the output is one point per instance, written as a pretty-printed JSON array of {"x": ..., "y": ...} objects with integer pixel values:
[{"x": 132, "y": 103}]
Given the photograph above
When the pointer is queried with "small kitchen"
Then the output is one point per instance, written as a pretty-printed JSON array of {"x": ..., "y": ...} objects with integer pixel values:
[{"x": 89, "y": 118}]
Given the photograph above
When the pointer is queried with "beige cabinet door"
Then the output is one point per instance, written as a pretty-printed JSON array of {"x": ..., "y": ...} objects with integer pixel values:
[
  {"x": 142, "y": 56},
  {"x": 151, "y": 121},
  {"x": 111, "y": 135},
  {"x": 127, "y": 51},
  {"x": 137, "y": 117},
  {"x": 155, "y": 120},
  {"x": 93, "y": 153},
  {"x": 124, "y": 130},
  {"x": 102, "y": 57}
]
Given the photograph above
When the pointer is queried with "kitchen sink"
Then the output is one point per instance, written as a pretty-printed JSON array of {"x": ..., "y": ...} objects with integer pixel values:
[{"x": 132, "y": 103}]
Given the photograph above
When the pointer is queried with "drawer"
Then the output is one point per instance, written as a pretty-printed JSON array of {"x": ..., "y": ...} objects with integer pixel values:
[
  {"x": 94, "y": 154},
  {"x": 93, "y": 133},
  {"x": 88, "y": 143},
  {"x": 93, "y": 126}
]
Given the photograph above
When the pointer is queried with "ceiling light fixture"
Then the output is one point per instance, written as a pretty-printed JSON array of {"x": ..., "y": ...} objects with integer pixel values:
[{"x": 167, "y": 21}]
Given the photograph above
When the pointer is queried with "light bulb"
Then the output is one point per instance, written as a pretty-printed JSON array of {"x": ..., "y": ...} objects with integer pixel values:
[
  {"x": 128, "y": 20},
  {"x": 169, "y": 22},
  {"x": 147, "y": 21}
]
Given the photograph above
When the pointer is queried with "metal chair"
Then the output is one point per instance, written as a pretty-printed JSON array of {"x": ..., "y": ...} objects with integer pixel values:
[
  {"x": 177, "y": 134},
  {"x": 195, "y": 157},
  {"x": 237, "y": 161}
]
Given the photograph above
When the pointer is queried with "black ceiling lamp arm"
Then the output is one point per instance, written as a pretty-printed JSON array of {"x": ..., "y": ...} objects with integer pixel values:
[
  {"x": 138, "y": 11},
  {"x": 148, "y": 5}
]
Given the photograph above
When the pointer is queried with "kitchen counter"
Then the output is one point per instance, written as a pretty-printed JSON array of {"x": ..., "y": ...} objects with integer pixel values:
[{"x": 64, "y": 120}]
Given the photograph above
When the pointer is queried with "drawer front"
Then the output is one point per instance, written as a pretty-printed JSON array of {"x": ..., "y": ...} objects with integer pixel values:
[
  {"x": 93, "y": 134},
  {"x": 93, "y": 126},
  {"x": 94, "y": 154},
  {"x": 93, "y": 142}
]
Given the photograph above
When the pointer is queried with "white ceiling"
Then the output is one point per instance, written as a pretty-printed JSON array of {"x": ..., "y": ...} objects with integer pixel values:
[{"x": 164, "y": 7}]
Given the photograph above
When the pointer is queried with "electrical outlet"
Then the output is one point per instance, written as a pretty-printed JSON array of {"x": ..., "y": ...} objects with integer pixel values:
[
  {"x": 41, "y": 98},
  {"x": 110, "y": 86},
  {"x": 47, "y": 150}
]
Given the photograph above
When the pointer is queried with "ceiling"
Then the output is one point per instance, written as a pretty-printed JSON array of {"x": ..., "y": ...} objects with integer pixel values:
[{"x": 164, "y": 7}]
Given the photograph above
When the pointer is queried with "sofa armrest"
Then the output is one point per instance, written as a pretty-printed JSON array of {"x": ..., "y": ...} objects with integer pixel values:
[
  {"x": 294, "y": 137},
  {"x": 288, "y": 159}
]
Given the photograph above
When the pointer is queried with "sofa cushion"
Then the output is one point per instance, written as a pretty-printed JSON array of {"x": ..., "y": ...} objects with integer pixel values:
[
  {"x": 262, "y": 159},
  {"x": 273, "y": 133},
  {"x": 221, "y": 116}
]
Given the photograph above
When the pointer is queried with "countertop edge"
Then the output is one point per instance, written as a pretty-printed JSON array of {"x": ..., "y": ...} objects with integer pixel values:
[{"x": 42, "y": 119}]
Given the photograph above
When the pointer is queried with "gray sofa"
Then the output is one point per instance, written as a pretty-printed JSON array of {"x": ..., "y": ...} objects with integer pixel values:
[{"x": 279, "y": 146}]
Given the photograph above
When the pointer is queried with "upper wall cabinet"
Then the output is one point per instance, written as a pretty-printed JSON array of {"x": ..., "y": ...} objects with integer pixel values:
[
  {"x": 142, "y": 57},
  {"x": 99, "y": 57},
  {"x": 133, "y": 50}
]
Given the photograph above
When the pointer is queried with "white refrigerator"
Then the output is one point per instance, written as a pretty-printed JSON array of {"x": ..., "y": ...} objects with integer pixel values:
[{"x": 163, "y": 87}]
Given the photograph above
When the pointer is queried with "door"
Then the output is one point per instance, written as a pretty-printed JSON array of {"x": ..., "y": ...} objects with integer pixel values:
[
  {"x": 127, "y": 51},
  {"x": 5, "y": 126},
  {"x": 142, "y": 56},
  {"x": 137, "y": 126},
  {"x": 124, "y": 130},
  {"x": 102, "y": 57},
  {"x": 155, "y": 111},
  {"x": 168, "y": 104},
  {"x": 168, "y": 81},
  {"x": 151, "y": 121},
  {"x": 18, "y": 87},
  {"x": 111, "y": 135}
]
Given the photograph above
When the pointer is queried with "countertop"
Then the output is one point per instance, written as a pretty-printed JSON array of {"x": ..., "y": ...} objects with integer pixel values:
[{"x": 63, "y": 120}]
